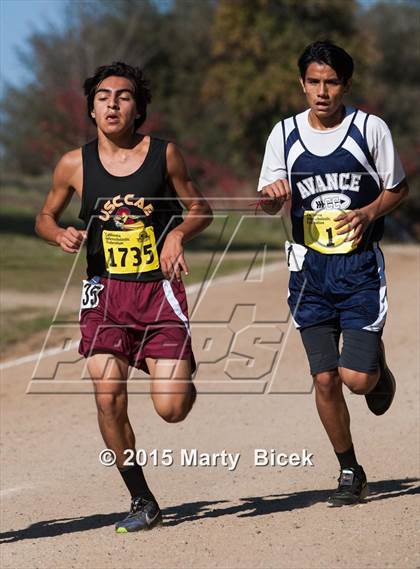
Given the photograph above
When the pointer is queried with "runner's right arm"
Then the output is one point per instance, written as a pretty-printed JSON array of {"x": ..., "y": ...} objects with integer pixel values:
[
  {"x": 273, "y": 184},
  {"x": 274, "y": 195},
  {"x": 67, "y": 179}
]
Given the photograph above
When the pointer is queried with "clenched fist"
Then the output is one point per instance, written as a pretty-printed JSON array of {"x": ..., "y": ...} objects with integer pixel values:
[
  {"x": 275, "y": 195},
  {"x": 70, "y": 239}
]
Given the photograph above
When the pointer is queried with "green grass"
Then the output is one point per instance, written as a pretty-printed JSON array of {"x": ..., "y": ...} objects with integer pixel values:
[
  {"x": 243, "y": 232},
  {"x": 27, "y": 261},
  {"x": 203, "y": 269},
  {"x": 28, "y": 264},
  {"x": 20, "y": 323}
]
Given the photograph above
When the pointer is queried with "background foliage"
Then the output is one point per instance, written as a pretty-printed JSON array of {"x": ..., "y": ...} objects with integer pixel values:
[{"x": 222, "y": 74}]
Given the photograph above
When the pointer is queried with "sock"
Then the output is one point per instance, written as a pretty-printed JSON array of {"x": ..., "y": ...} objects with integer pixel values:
[
  {"x": 347, "y": 459},
  {"x": 135, "y": 481}
]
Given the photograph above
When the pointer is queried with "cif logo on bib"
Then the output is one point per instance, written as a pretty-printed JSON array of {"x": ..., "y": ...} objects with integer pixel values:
[
  {"x": 132, "y": 247},
  {"x": 319, "y": 225},
  {"x": 124, "y": 220}
]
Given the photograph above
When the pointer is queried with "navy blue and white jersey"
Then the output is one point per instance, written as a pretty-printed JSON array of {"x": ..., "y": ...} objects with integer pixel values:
[{"x": 342, "y": 168}]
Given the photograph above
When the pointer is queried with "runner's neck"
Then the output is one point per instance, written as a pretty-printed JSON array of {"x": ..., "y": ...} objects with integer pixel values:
[
  {"x": 328, "y": 122},
  {"x": 113, "y": 145}
]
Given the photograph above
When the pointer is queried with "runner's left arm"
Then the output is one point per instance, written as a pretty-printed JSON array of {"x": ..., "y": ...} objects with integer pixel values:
[
  {"x": 359, "y": 219},
  {"x": 199, "y": 215},
  {"x": 392, "y": 178}
]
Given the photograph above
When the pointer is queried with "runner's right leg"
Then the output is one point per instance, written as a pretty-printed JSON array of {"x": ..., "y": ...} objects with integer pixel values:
[
  {"x": 334, "y": 414},
  {"x": 109, "y": 375},
  {"x": 321, "y": 343},
  {"x": 332, "y": 409}
]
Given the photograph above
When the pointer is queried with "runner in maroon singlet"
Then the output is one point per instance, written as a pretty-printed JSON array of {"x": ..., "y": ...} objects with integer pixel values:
[{"x": 133, "y": 307}]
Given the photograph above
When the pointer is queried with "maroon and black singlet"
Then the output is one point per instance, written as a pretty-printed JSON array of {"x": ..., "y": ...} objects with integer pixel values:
[
  {"x": 127, "y": 217},
  {"x": 128, "y": 308}
]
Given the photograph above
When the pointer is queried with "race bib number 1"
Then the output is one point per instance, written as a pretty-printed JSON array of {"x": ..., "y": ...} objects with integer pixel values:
[
  {"x": 320, "y": 233},
  {"x": 130, "y": 251}
]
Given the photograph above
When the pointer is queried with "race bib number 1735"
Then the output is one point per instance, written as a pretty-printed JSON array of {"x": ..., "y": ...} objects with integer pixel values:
[{"x": 130, "y": 251}]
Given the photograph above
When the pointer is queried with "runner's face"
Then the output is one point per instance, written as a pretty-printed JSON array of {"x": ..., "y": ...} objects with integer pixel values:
[
  {"x": 324, "y": 90},
  {"x": 114, "y": 105}
]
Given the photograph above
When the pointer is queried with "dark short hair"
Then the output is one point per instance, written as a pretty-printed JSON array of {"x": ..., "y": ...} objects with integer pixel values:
[
  {"x": 119, "y": 69},
  {"x": 329, "y": 53}
]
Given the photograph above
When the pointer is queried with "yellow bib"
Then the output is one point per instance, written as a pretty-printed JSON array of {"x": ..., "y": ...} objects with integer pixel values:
[
  {"x": 130, "y": 251},
  {"x": 320, "y": 234}
]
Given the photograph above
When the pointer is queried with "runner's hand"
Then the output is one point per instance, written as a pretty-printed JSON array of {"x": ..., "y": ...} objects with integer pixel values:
[
  {"x": 278, "y": 192},
  {"x": 172, "y": 260},
  {"x": 71, "y": 239},
  {"x": 354, "y": 223}
]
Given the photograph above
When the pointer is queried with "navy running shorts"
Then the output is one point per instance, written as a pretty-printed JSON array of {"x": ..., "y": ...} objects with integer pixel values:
[{"x": 350, "y": 288}]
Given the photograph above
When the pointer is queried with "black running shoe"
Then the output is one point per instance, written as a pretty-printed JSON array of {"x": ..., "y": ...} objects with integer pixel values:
[
  {"x": 144, "y": 514},
  {"x": 352, "y": 488},
  {"x": 380, "y": 398}
]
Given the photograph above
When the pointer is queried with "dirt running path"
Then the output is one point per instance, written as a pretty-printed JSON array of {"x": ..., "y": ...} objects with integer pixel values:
[{"x": 59, "y": 504}]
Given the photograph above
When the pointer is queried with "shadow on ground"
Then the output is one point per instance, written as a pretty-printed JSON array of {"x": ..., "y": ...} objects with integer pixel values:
[{"x": 247, "y": 507}]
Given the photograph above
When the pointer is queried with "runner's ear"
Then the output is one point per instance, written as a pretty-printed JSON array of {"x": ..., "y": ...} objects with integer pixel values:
[{"x": 301, "y": 81}]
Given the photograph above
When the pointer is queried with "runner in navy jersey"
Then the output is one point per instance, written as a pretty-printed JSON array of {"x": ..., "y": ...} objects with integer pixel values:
[
  {"x": 133, "y": 308},
  {"x": 339, "y": 168}
]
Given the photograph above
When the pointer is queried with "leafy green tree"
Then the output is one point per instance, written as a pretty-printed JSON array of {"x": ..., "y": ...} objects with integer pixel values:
[
  {"x": 254, "y": 73},
  {"x": 395, "y": 90},
  {"x": 222, "y": 74}
]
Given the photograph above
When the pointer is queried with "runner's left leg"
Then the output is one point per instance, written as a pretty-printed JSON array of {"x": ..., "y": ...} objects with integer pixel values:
[
  {"x": 359, "y": 382},
  {"x": 173, "y": 392},
  {"x": 359, "y": 364}
]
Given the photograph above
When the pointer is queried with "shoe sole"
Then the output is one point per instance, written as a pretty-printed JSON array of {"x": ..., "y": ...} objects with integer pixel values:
[
  {"x": 363, "y": 494},
  {"x": 393, "y": 382},
  {"x": 394, "y": 388}
]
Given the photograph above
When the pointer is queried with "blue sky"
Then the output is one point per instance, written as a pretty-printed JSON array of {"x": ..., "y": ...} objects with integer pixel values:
[
  {"x": 18, "y": 19},
  {"x": 21, "y": 17}
]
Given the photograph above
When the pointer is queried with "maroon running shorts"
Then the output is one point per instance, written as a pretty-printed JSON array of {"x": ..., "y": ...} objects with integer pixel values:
[{"x": 136, "y": 320}]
